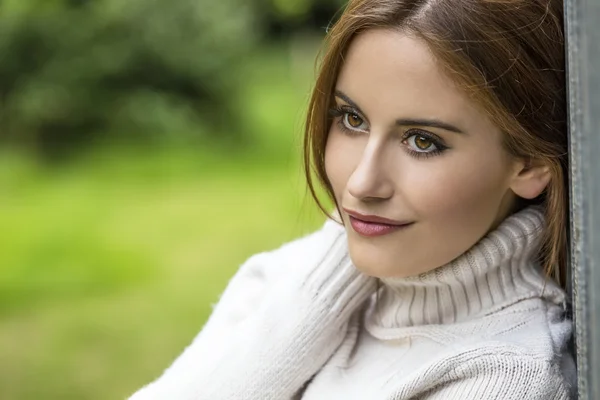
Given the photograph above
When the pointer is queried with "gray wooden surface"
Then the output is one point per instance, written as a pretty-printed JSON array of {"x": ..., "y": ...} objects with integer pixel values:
[{"x": 583, "y": 49}]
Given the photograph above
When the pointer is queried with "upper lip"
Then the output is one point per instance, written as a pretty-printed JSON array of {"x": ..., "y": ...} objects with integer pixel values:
[{"x": 375, "y": 218}]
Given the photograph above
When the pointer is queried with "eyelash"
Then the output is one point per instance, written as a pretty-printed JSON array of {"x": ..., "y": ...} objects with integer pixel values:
[{"x": 341, "y": 111}]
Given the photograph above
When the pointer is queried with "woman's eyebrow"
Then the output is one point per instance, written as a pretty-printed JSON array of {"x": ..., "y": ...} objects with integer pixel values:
[
  {"x": 432, "y": 123},
  {"x": 347, "y": 99}
]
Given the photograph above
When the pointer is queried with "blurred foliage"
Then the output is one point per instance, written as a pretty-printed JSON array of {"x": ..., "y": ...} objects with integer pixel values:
[
  {"x": 78, "y": 71},
  {"x": 110, "y": 267},
  {"x": 109, "y": 263},
  {"x": 82, "y": 72}
]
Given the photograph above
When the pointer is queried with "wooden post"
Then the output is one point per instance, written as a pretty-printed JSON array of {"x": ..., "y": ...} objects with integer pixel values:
[{"x": 582, "y": 19}]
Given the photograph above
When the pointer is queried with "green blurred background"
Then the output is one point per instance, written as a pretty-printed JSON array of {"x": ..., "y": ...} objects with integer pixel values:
[{"x": 147, "y": 148}]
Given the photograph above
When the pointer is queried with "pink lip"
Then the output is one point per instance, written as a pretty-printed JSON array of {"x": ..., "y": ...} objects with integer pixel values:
[{"x": 373, "y": 225}]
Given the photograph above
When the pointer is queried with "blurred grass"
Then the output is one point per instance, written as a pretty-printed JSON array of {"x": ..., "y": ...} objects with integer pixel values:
[{"x": 109, "y": 263}]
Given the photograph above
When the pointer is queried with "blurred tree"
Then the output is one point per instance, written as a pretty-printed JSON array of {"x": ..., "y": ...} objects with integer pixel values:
[
  {"x": 76, "y": 71},
  {"x": 79, "y": 72}
]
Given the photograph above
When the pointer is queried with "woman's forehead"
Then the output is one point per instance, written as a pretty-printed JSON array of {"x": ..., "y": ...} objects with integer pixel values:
[{"x": 393, "y": 74}]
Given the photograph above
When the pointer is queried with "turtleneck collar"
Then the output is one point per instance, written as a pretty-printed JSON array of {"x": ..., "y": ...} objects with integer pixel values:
[{"x": 500, "y": 270}]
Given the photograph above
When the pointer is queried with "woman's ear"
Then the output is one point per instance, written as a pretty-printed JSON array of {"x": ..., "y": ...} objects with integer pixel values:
[{"x": 531, "y": 178}]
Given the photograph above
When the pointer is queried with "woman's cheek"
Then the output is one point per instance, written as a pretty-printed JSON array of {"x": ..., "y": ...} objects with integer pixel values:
[{"x": 449, "y": 185}]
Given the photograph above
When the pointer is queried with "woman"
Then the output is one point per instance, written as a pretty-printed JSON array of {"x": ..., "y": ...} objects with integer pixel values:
[{"x": 438, "y": 129}]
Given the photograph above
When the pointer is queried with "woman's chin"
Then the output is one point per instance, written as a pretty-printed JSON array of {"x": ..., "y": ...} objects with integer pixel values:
[{"x": 378, "y": 267}]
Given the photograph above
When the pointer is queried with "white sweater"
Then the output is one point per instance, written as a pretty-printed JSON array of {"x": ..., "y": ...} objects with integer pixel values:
[{"x": 302, "y": 323}]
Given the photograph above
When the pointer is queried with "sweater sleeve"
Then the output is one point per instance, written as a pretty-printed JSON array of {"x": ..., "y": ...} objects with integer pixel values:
[
  {"x": 266, "y": 339},
  {"x": 257, "y": 276},
  {"x": 501, "y": 377}
]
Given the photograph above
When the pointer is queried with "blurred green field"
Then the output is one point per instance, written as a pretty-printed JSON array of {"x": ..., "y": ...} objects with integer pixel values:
[{"x": 110, "y": 262}]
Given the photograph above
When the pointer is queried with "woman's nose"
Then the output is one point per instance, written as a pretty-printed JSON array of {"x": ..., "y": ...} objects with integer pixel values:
[{"x": 370, "y": 179}]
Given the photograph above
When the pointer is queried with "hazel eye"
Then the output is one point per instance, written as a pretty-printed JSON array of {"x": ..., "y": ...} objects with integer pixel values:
[
  {"x": 349, "y": 120},
  {"x": 421, "y": 144},
  {"x": 353, "y": 120}
]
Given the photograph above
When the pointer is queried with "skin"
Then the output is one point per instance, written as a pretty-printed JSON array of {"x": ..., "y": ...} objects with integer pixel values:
[{"x": 453, "y": 187}]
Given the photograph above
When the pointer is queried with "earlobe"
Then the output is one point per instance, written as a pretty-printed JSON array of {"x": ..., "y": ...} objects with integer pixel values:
[{"x": 531, "y": 180}]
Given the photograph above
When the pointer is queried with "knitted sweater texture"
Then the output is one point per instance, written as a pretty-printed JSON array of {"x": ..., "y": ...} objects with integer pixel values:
[{"x": 302, "y": 323}]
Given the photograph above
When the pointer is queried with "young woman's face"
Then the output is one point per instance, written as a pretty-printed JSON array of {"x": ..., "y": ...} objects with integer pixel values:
[{"x": 418, "y": 171}]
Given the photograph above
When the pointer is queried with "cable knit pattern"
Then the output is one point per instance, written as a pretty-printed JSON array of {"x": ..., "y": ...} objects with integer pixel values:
[{"x": 302, "y": 323}]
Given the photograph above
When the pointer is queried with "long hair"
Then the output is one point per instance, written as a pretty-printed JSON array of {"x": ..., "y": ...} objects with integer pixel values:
[{"x": 508, "y": 55}]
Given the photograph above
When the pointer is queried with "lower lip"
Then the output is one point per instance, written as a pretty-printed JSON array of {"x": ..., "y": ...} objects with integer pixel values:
[{"x": 373, "y": 229}]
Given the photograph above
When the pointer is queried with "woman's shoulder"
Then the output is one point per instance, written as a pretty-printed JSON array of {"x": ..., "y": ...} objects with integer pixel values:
[
  {"x": 534, "y": 327},
  {"x": 531, "y": 328},
  {"x": 500, "y": 371},
  {"x": 526, "y": 359},
  {"x": 248, "y": 287},
  {"x": 306, "y": 249},
  {"x": 263, "y": 269},
  {"x": 524, "y": 349}
]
